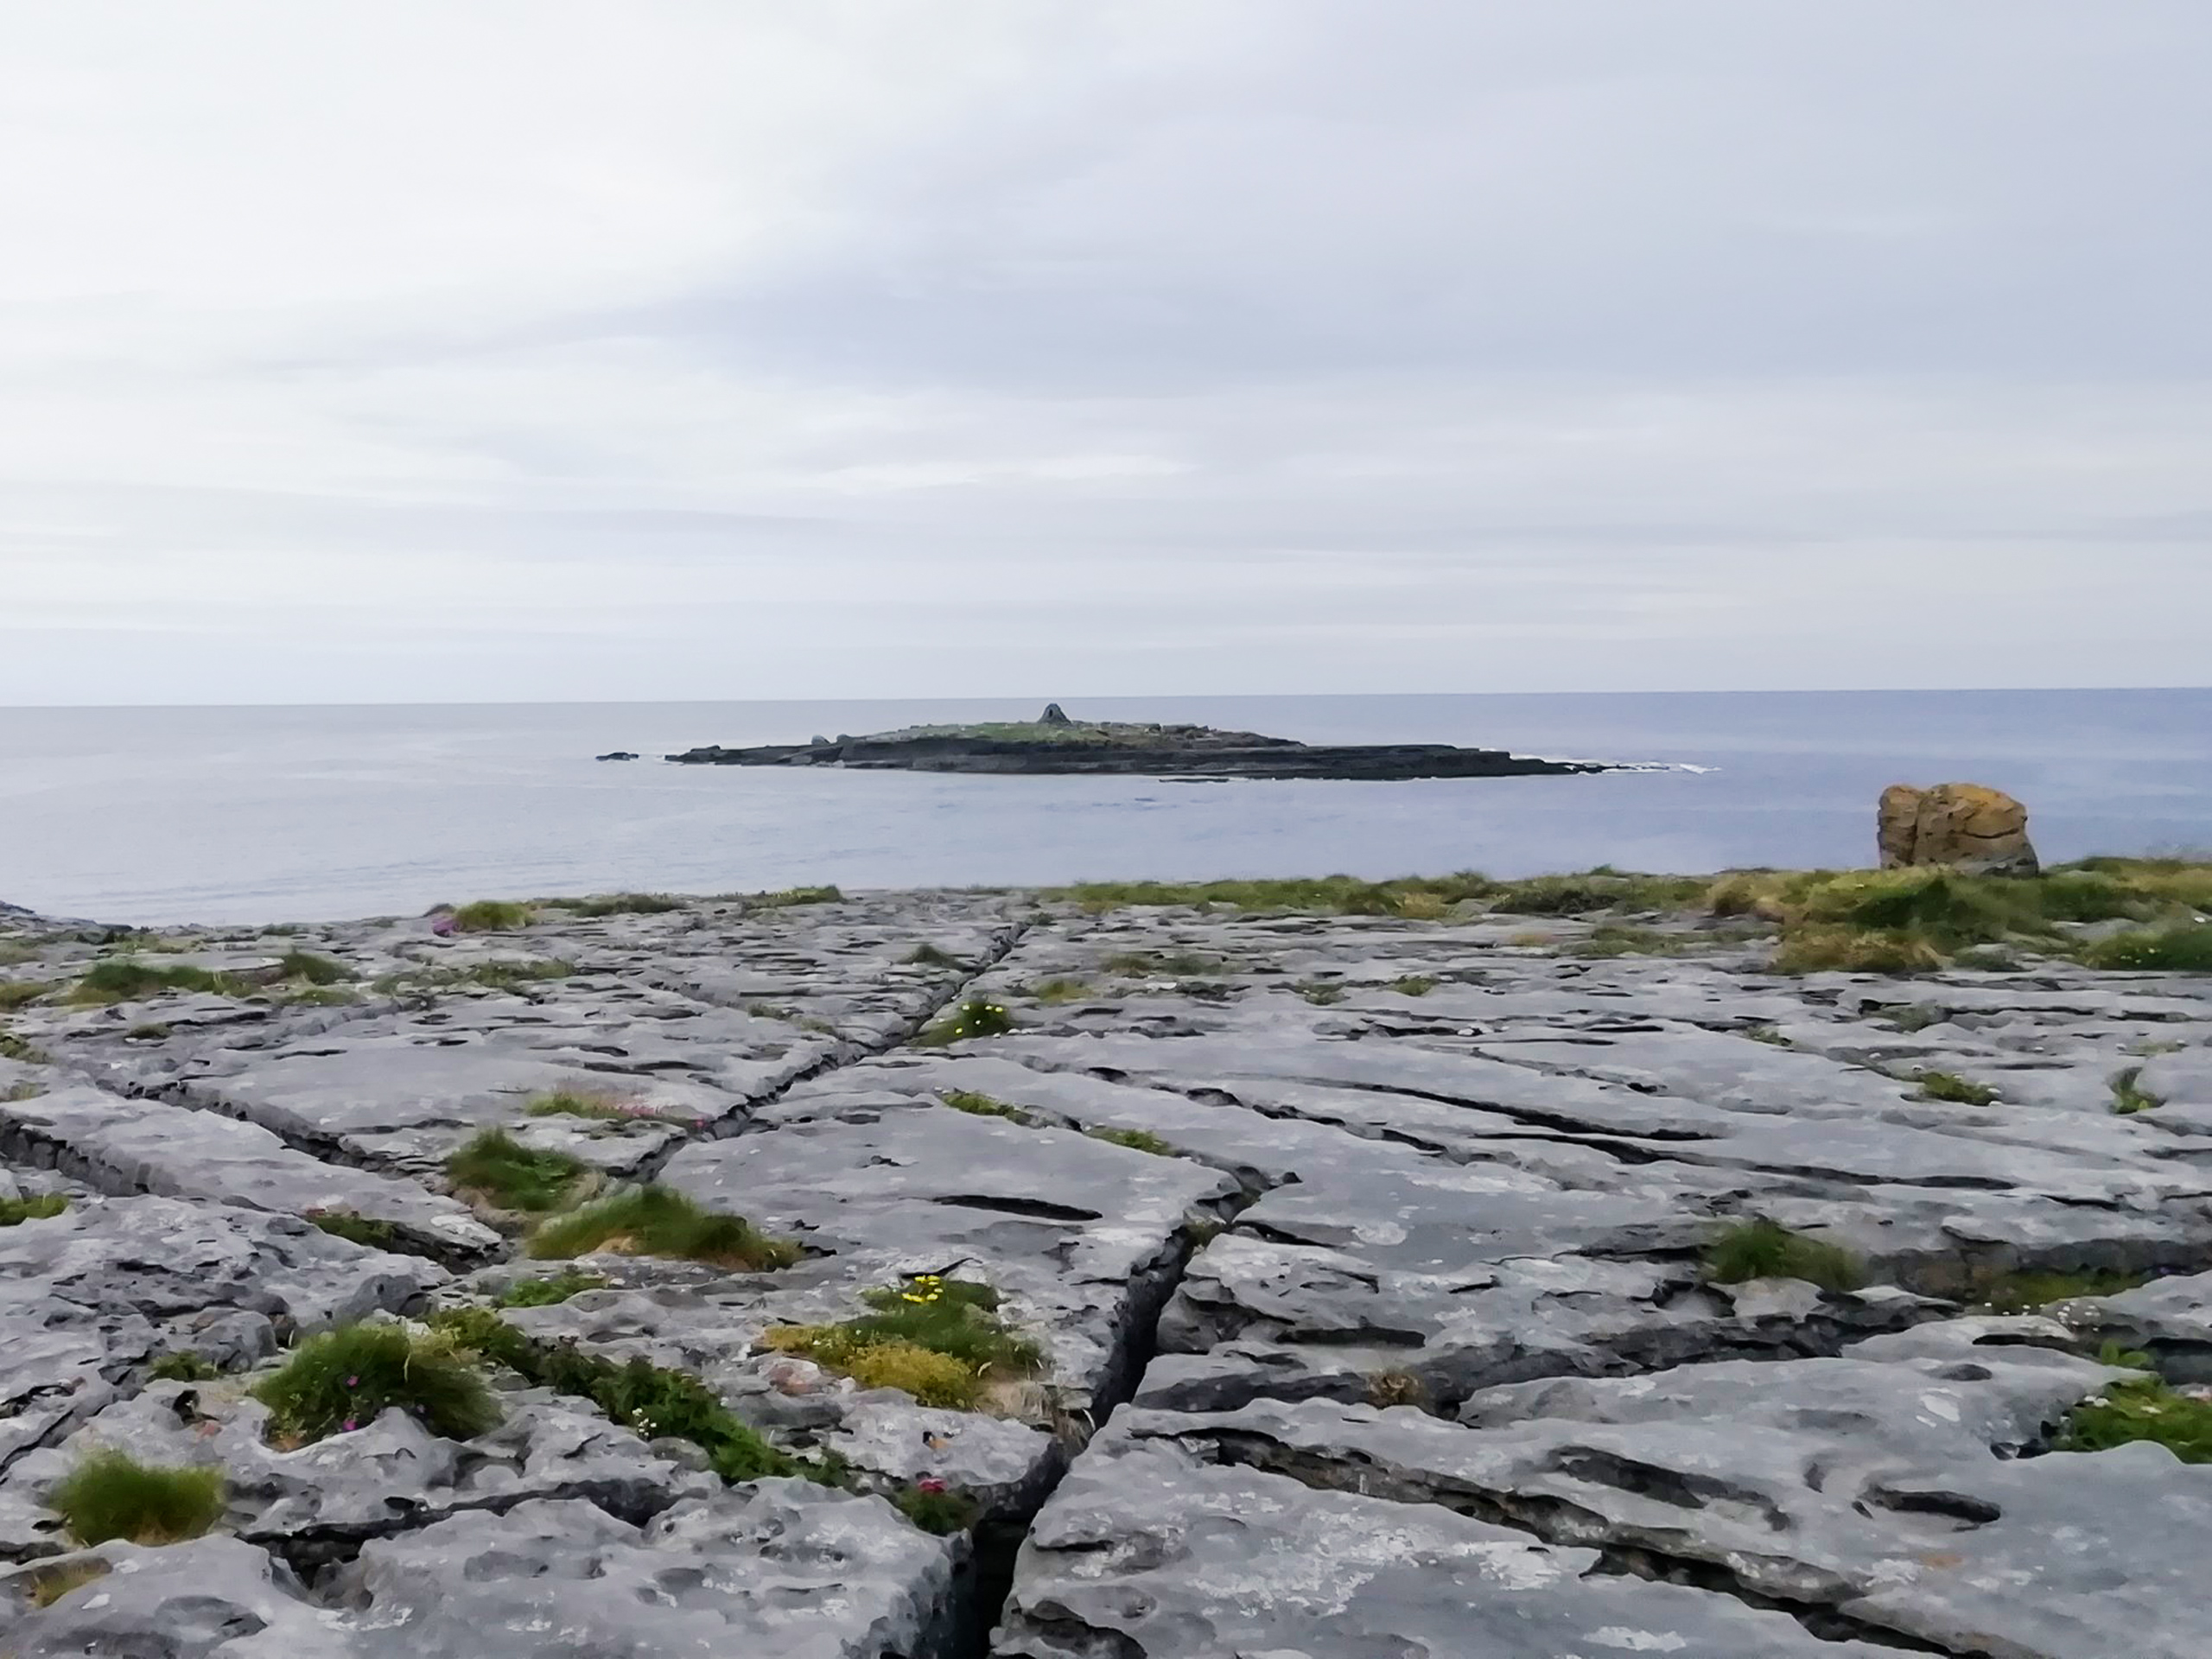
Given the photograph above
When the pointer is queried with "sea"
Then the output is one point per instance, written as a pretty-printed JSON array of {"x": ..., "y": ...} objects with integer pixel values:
[{"x": 159, "y": 816}]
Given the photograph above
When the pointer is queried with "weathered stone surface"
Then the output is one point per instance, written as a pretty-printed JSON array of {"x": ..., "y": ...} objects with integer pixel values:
[{"x": 1968, "y": 827}]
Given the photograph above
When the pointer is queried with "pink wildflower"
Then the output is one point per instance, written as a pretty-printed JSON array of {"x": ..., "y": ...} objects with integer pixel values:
[{"x": 931, "y": 1484}]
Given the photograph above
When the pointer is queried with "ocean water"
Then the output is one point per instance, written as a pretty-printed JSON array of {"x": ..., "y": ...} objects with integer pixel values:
[{"x": 152, "y": 815}]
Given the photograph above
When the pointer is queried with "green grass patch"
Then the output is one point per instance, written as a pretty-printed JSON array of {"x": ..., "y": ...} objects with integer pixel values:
[
  {"x": 19, "y": 993},
  {"x": 516, "y": 1177},
  {"x": 43, "y": 1207},
  {"x": 125, "y": 979},
  {"x": 549, "y": 1290},
  {"x": 2141, "y": 1408},
  {"x": 183, "y": 1366},
  {"x": 112, "y": 1495},
  {"x": 619, "y": 904},
  {"x": 1135, "y": 1139},
  {"x": 602, "y": 1106},
  {"x": 1959, "y": 1091},
  {"x": 2179, "y": 950},
  {"x": 1764, "y": 1249},
  {"x": 931, "y": 1507},
  {"x": 941, "y": 1340},
  {"x": 312, "y": 970},
  {"x": 1339, "y": 895},
  {"x": 2128, "y": 1097},
  {"x": 359, "y": 1229},
  {"x": 2025, "y": 1289},
  {"x": 1413, "y": 985},
  {"x": 976, "y": 1017},
  {"x": 650, "y": 1401},
  {"x": 785, "y": 898},
  {"x": 1855, "y": 950},
  {"x": 492, "y": 916},
  {"x": 341, "y": 1379},
  {"x": 659, "y": 1221},
  {"x": 981, "y": 1105}
]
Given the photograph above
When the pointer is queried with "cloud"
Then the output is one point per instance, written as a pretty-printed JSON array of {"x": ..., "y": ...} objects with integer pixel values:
[{"x": 880, "y": 347}]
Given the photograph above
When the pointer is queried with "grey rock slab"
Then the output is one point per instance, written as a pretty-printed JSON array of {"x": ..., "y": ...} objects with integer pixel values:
[
  {"x": 1148, "y": 1550},
  {"x": 2179, "y": 1079},
  {"x": 214, "y": 1598},
  {"x": 137, "y": 1145},
  {"x": 1711, "y": 1067}
]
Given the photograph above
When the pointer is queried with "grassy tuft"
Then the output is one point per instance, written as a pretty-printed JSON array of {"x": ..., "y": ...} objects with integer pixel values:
[
  {"x": 182, "y": 1367},
  {"x": 125, "y": 979},
  {"x": 360, "y": 1230},
  {"x": 1135, "y": 1139},
  {"x": 13, "y": 1048},
  {"x": 2024, "y": 1290},
  {"x": 2128, "y": 1097},
  {"x": 43, "y": 1207},
  {"x": 548, "y": 1291},
  {"x": 1763, "y": 1249},
  {"x": 939, "y": 1339},
  {"x": 644, "y": 1397},
  {"x": 600, "y": 1105},
  {"x": 18, "y": 993},
  {"x": 1855, "y": 950},
  {"x": 1413, "y": 985},
  {"x": 516, "y": 1177},
  {"x": 620, "y": 904},
  {"x": 2141, "y": 1408},
  {"x": 305, "y": 966},
  {"x": 934, "y": 1509},
  {"x": 976, "y": 1017},
  {"x": 341, "y": 1379},
  {"x": 2179, "y": 950},
  {"x": 981, "y": 1105},
  {"x": 492, "y": 916},
  {"x": 112, "y": 1495},
  {"x": 659, "y": 1221},
  {"x": 785, "y": 897},
  {"x": 1320, "y": 992},
  {"x": 928, "y": 956},
  {"x": 1961, "y": 1092},
  {"x": 50, "y": 1584}
]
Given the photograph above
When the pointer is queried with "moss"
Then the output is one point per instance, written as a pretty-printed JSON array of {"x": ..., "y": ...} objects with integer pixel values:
[
  {"x": 492, "y": 916},
  {"x": 309, "y": 968},
  {"x": 341, "y": 1379},
  {"x": 110, "y": 1495},
  {"x": 1961, "y": 1092},
  {"x": 125, "y": 979},
  {"x": 360, "y": 1230},
  {"x": 549, "y": 1290},
  {"x": 976, "y": 1017},
  {"x": 2179, "y": 950},
  {"x": 1855, "y": 950},
  {"x": 182, "y": 1367},
  {"x": 1319, "y": 993},
  {"x": 1763, "y": 1249},
  {"x": 19, "y": 993},
  {"x": 940, "y": 1339},
  {"x": 49, "y": 1584},
  {"x": 649, "y": 1400},
  {"x": 785, "y": 897},
  {"x": 1413, "y": 985},
  {"x": 2141, "y": 1408},
  {"x": 1056, "y": 991},
  {"x": 2128, "y": 1097},
  {"x": 516, "y": 1177},
  {"x": 43, "y": 1207},
  {"x": 1135, "y": 1139},
  {"x": 933, "y": 1508},
  {"x": 981, "y": 1105},
  {"x": 658, "y": 1221}
]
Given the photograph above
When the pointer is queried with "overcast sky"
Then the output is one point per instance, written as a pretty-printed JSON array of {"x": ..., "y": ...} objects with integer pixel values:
[{"x": 515, "y": 349}]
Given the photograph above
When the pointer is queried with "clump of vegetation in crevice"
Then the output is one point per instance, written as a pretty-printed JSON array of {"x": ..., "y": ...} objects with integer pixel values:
[
  {"x": 42, "y": 1206},
  {"x": 1054, "y": 992},
  {"x": 981, "y": 1105},
  {"x": 183, "y": 1366},
  {"x": 506, "y": 1173},
  {"x": 647, "y": 1399},
  {"x": 1760, "y": 1249},
  {"x": 125, "y": 979},
  {"x": 618, "y": 904},
  {"x": 928, "y": 956},
  {"x": 929, "y": 1506},
  {"x": 2184, "y": 948},
  {"x": 2022, "y": 1290},
  {"x": 50, "y": 1583},
  {"x": 309, "y": 969},
  {"x": 1957, "y": 1091},
  {"x": 2128, "y": 1097},
  {"x": 785, "y": 898},
  {"x": 339, "y": 1380},
  {"x": 492, "y": 916},
  {"x": 1320, "y": 992},
  {"x": 505, "y": 975},
  {"x": 13, "y": 1048},
  {"x": 1770, "y": 1035},
  {"x": 360, "y": 1230},
  {"x": 596, "y": 1105},
  {"x": 1387, "y": 1389},
  {"x": 112, "y": 1495},
  {"x": 1135, "y": 1139},
  {"x": 2139, "y": 1409},
  {"x": 940, "y": 1340},
  {"x": 20, "y": 993},
  {"x": 976, "y": 1017},
  {"x": 659, "y": 1221},
  {"x": 1413, "y": 985},
  {"x": 549, "y": 1289}
]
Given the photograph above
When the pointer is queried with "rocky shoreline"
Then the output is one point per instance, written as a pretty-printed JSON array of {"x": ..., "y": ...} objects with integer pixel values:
[
  {"x": 1054, "y": 745},
  {"x": 1374, "y": 1266}
]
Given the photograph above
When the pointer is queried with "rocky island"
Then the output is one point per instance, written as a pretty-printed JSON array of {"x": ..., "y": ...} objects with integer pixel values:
[
  {"x": 1054, "y": 743},
  {"x": 1784, "y": 1266}
]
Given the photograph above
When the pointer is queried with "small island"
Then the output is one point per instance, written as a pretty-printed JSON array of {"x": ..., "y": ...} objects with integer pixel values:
[{"x": 1054, "y": 743}]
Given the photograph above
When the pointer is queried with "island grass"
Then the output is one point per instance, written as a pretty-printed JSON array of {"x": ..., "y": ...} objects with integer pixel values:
[
  {"x": 1612, "y": 940},
  {"x": 1135, "y": 1139},
  {"x": 492, "y": 916},
  {"x": 1342, "y": 895},
  {"x": 653, "y": 1401},
  {"x": 515, "y": 1176},
  {"x": 976, "y": 1017},
  {"x": 42, "y": 1206},
  {"x": 1760, "y": 1249},
  {"x": 1958, "y": 1090},
  {"x": 940, "y": 1340},
  {"x": 112, "y": 1495},
  {"x": 502, "y": 976},
  {"x": 2141, "y": 1408},
  {"x": 341, "y": 1379},
  {"x": 659, "y": 1221},
  {"x": 1603, "y": 888},
  {"x": 549, "y": 1290}
]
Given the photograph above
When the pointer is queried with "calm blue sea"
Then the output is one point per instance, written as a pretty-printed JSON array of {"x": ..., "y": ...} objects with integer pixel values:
[{"x": 237, "y": 815}]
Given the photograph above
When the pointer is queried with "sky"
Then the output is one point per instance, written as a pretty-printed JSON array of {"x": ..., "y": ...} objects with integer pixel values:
[{"x": 514, "y": 349}]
